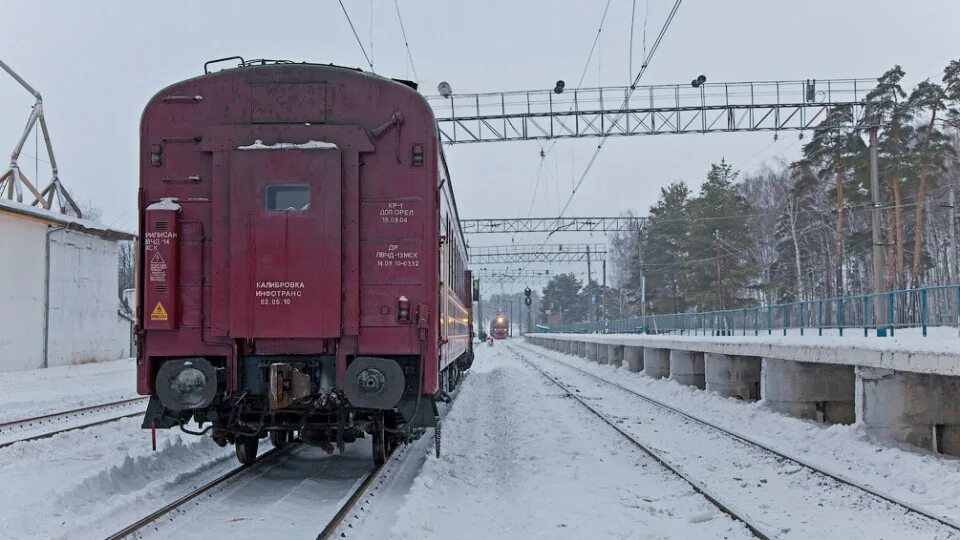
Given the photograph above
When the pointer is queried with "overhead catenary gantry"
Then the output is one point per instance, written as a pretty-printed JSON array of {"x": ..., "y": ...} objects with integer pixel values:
[
  {"x": 13, "y": 180},
  {"x": 553, "y": 224},
  {"x": 537, "y": 253},
  {"x": 647, "y": 110},
  {"x": 508, "y": 275}
]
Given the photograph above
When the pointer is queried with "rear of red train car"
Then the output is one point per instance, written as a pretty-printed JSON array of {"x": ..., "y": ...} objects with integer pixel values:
[{"x": 302, "y": 273}]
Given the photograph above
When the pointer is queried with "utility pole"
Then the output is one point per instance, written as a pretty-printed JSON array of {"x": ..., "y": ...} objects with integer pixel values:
[
  {"x": 589, "y": 275},
  {"x": 603, "y": 300},
  {"x": 477, "y": 294},
  {"x": 643, "y": 294},
  {"x": 952, "y": 251},
  {"x": 716, "y": 236},
  {"x": 879, "y": 265}
]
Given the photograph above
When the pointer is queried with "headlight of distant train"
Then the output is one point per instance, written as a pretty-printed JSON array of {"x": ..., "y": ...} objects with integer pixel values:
[
  {"x": 186, "y": 383},
  {"x": 499, "y": 319}
]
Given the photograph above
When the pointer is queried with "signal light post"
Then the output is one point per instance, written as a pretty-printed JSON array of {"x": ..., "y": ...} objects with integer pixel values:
[{"x": 529, "y": 302}]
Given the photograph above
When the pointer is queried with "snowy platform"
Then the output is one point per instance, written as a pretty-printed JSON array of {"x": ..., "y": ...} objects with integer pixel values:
[{"x": 938, "y": 354}]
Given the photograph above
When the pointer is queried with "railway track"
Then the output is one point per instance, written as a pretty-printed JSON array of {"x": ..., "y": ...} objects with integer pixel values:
[
  {"x": 907, "y": 507},
  {"x": 48, "y": 425},
  {"x": 145, "y": 521},
  {"x": 359, "y": 501},
  {"x": 697, "y": 486},
  {"x": 353, "y": 506}
]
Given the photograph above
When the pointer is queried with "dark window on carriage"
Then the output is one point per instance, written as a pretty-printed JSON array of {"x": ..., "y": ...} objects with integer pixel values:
[{"x": 286, "y": 197}]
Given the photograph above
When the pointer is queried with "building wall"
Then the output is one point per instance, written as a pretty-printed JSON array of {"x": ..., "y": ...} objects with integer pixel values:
[
  {"x": 84, "y": 323},
  {"x": 21, "y": 292}
]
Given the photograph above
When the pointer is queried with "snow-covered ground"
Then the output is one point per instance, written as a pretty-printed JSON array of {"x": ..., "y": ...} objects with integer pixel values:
[
  {"x": 42, "y": 391},
  {"x": 520, "y": 460},
  {"x": 922, "y": 478},
  {"x": 293, "y": 496},
  {"x": 942, "y": 340},
  {"x": 778, "y": 496},
  {"x": 88, "y": 483}
]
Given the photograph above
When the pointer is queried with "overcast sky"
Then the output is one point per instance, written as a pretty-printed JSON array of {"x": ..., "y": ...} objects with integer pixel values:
[{"x": 97, "y": 63}]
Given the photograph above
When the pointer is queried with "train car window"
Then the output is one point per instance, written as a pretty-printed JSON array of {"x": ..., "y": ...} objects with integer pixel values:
[{"x": 286, "y": 197}]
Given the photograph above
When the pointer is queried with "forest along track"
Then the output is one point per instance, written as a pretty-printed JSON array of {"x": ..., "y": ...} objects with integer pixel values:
[
  {"x": 953, "y": 526},
  {"x": 697, "y": 486},
  {"x": 48, "y": 425}
]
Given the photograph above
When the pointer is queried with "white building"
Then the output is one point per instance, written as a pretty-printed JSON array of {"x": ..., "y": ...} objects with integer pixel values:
[{"x": 58, "y": 290}]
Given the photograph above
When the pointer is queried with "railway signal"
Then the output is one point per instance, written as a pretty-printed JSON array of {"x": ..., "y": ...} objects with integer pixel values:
[{"x": 528, "y": 300}]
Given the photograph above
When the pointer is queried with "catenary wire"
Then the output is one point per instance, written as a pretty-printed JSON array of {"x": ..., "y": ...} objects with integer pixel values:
[
  {"x": 357, "y": 36},
  {"x": 406, "y": 42}
]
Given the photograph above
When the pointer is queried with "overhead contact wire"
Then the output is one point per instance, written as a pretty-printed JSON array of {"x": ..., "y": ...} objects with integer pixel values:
[
  {"x": 626, "y": 101},
  {"x": 406, "y": 42},
  {"x": 357, "y": 36}
]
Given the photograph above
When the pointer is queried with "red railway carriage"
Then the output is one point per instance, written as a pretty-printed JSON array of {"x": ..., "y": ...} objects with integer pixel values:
[{"x": 302, "y": 268}]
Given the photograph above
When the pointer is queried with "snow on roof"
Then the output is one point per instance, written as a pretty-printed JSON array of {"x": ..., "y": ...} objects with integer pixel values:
[
  {"x": 309, "y": 145},
  {"x": 57, "y": 219}
]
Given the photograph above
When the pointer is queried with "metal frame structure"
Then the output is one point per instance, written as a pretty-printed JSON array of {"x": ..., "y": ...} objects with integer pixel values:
[
  {"x": 552, "y": 225},
  {"x": 538, "y": 253},
  {"x": 13, "y": 179},
  {"x": 647, "y": 110},
  {"x": 507, "y": 275},
  {"x": 880, "y": 313}
]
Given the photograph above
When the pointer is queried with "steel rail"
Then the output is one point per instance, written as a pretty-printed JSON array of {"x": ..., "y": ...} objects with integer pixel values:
[
  {"x": 380, "y": 472},
  {"x": 49, "y": 434},
  {"x": 267, "y": 456},
  {"x": 82, "y": 411},
  {"x": 64, "y": 414},
  {"x": 943, "y": 520},
  {"x": 697, "y": 486},
  {"x": 351, "y": 502}
]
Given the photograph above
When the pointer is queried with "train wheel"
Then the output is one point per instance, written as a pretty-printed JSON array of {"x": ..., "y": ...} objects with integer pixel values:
[
  {"x": 280, "y": 437},
  {"x": 247, "y": 449},
  {"x": 380, "y": 443}
]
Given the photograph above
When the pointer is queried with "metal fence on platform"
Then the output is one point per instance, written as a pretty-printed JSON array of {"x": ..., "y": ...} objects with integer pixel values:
[{"x": 881, "y": 314}]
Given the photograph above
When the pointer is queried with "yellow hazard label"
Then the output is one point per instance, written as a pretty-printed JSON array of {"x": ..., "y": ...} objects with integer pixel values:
[{"x": 159, "y": 314}]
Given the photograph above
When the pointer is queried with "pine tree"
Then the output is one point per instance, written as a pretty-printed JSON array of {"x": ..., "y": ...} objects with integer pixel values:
[
  {"x": 887, "y": 106},
  {"x": 831, "y": 148},
  {"x": 562, "y": 295},
  {"x": 663, "y": 250},
  {"x": 717, "y": 242},
  {"x": 931, "y": 152}
]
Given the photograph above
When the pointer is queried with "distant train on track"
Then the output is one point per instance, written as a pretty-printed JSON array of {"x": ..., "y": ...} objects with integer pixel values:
[
  {"x": 500, "y": 326},
  {"x": 302, "y": 272}
]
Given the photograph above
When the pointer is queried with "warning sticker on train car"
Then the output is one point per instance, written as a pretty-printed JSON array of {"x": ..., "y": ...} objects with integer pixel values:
[
  {"x": 158, "y": 268},
  {"x": 158, "y": 314}
]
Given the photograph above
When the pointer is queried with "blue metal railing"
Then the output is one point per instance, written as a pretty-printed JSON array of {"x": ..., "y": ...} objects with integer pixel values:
[{"x": 883, "y": 313}]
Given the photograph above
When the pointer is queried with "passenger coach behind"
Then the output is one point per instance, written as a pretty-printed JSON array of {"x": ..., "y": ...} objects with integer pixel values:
[{"x": 302, "y": 269}]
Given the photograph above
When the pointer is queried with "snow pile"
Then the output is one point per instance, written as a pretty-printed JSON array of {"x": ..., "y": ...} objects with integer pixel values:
[
  {"x": 165, "y": 203},
  {"x": 138, "y": 483},
  {"x": 309, "y": 145},
  {"x": 90, "y": 482},
  {"x": 520, "y": 460}
]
